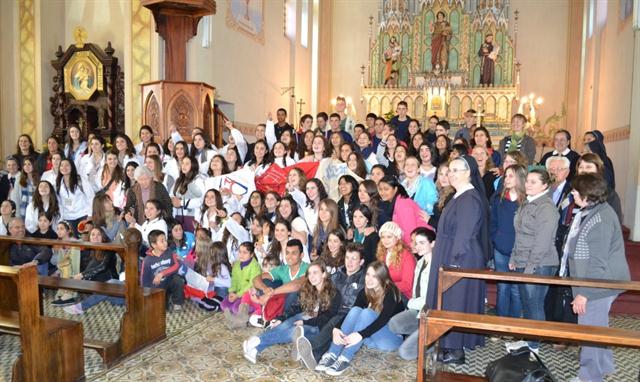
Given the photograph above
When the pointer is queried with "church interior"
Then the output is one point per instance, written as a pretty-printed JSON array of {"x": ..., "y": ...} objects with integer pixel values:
[{"x": 112, "y": 66}]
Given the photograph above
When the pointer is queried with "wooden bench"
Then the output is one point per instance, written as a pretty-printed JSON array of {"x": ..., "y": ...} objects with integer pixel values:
[
  {"x": 436, "y": 323},
  {"x": 51, "y": 347},
  {"x": 144, "y": 320}
]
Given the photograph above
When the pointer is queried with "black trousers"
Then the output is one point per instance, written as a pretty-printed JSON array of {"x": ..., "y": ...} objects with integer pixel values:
[
  {"x": 322, "y": 341},
  {"x": 174, "y": 289}
]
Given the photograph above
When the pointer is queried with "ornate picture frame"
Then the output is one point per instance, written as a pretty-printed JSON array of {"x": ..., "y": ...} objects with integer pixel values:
[
  {"x": 247, "y": 16},
  {"x": 83, "y": 75}
]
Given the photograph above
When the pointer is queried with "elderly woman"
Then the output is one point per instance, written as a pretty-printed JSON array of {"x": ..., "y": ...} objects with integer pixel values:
[
  {"x": 463, "y": 241},
  {"x": 145, "y": 189},
  {"x": 534, "y": 249},
  {"x": 594, "y": 249}
]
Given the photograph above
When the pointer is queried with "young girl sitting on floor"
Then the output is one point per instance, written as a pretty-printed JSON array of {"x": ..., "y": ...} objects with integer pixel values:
[
  {"x": 212, "y": 262},
  {"x": 101, "y": 267},
  {"x": 366, "y": 322},
  {"x": 251, "y": 298},
  {"x": 319, "y": 301},
  {"x": 180, "y": 241},
  {"x": 67, "y": 260},
  {"x": 245, "y": 269}
]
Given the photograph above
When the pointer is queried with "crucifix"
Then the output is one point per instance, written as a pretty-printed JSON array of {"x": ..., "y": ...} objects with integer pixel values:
[
  {"x": 479, "y": 116},
  {"x": 300, "y": 103}
]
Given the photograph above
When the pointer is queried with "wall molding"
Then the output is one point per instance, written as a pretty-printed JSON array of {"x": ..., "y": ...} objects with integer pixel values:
[
  {"x": 28, "y": 107},
  {"x": 618, "y": 134},
  {"x": 140, "y": 60}
]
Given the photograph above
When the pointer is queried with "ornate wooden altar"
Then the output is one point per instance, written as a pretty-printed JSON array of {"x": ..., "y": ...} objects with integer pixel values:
[
  {"x": 88, "y": 89},
  {"x": 175, "y": 102},
  {"x": 428, "y": 53}
]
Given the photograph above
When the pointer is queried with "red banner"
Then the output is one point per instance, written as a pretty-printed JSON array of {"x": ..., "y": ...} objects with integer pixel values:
[{"x": 275, "y": 178}]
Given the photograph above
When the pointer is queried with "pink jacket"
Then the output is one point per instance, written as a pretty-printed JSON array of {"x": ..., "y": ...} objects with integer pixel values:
[
  {"x": 402, "y": 274},
  {"x": 406, "y": 213}
]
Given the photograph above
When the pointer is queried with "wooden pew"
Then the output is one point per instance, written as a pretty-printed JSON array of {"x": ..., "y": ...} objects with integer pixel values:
[
  {"x": 435, "y": 323},
  {"x": 51, "y": 348},
  {"x": 144, "y": 320}
]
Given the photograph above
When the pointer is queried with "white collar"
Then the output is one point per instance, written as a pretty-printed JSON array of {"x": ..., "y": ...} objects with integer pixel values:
[
  {"x": 532, "y": 198},
  {"x": 462, "y": 189},
  {"x": 564, "y": 153}
]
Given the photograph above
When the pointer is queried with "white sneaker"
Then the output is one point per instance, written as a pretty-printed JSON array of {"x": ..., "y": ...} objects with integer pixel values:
[
  {"x": 257, "y": 321},
  {"x": 513, "y": 346},
  {"x": 249, "y": 348},
  {"x": 298, "y": 332}
]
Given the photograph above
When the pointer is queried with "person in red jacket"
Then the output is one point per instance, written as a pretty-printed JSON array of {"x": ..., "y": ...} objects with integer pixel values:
[{"x": 401, "y": 263}]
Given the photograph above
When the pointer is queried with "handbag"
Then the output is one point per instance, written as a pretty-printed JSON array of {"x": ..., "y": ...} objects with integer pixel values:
[{"x": 517, "y": 367}]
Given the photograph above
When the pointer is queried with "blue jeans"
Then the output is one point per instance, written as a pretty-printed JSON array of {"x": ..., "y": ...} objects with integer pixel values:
[
  {"x": 358, "y": 319},
  {"x": 95, "y": 299},
  {"x": 533, "y": 295},
  {"x": 283, "y": 333},
  {"x": 43, "y": 269},
  {"x": 508, "y": 303}
]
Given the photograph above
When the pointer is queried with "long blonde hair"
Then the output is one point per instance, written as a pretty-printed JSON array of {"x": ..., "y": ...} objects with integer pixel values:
[{"x": 395, "y": 253}]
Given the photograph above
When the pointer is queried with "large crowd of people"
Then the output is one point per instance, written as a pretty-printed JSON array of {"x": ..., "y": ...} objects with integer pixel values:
[{"x": 342, "y": 250}]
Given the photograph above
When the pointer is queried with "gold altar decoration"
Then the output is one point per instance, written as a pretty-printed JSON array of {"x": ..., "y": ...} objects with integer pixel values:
[
  {"x": 406, "y": 52},
  {"x": 83, "y": 75},
  {"x": 80, "y": 35}
]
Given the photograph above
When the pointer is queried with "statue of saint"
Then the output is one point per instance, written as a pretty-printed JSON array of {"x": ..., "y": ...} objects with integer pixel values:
[
  {"x": 391, "y": 56},
  {"x": 441, "y": 31},
  {"x": 488, "y": 55}
]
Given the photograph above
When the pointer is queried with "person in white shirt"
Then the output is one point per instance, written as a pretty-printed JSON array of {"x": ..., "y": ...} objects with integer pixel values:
[
  {"x": 7, "y": 212},
  {"x": 146, "y": 137},
  {"x": 126, "y": 150},
  {"x": 74, "y": 148},
  {"x": 75, "y": 194},
  {"x": 44, "y": 201},
  {"x": 51, "y": 175},
  {"x": 186, "y": 194},
  {"x": 90, "y": 165},
  {"x": 201, "y": 152},
  {"x": 154, "y": 220}
]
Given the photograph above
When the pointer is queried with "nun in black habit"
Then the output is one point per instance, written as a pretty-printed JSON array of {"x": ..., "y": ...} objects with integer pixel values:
[{"x": 462, "y": 241}]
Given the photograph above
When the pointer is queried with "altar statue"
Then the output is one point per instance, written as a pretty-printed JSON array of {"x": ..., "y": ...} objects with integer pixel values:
[
  {"x": 391, "y": 56},
  {"x": 441, "y": 31},
  {"x": 488, "y": 55}
]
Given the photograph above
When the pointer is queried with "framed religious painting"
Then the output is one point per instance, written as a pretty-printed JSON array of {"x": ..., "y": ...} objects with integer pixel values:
[
  {"x": 247, "y": 16},
  {"x": 83, "y": 75}
]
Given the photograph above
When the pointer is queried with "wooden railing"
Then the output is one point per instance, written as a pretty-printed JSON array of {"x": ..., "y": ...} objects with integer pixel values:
[
  {"x": 144, "y": 320},
  {"x": 435, "y": 323}
]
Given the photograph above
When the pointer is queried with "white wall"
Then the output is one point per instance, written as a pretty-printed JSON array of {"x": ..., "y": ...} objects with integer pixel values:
[
  {"x": 542, "y": 50},
  {"x": 350, "y": 47},
  {"x": 249, "y": 74}
]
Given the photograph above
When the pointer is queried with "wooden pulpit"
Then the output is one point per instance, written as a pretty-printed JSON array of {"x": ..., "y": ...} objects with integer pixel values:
[{"x": 174, "y": 102}]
